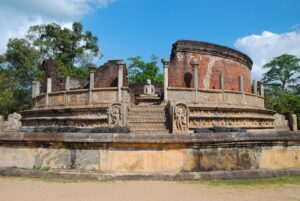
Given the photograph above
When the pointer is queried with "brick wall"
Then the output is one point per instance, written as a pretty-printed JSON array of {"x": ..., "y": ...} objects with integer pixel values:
[
  {"x": 107, "y": 75},
  {"x": 214, "y": 60}
]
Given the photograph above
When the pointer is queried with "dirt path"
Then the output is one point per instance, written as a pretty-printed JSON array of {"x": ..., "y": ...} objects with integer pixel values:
[{"x": 38, "y": 190}]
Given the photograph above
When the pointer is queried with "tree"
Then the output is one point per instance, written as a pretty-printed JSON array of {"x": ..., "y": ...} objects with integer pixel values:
[
  {"x": 19, "y": 65},
  {"x": 69, "y": 47},
  {"x": 282, "y": 71},
  {"x": 140, "y": 71}
]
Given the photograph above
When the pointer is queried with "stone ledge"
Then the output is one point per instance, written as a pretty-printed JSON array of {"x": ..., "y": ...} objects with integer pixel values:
[
  {"x": 183, "y": 176},
  {"x": 220, "y": 139}
]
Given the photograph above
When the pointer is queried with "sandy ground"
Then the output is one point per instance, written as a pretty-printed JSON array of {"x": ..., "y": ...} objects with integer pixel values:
[{"x": 39, "y": 190}]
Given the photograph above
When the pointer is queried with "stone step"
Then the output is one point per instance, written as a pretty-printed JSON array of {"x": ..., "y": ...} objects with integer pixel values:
[
  {"x": 142, "y": 119},
  {"x": 153, "y": 132},
  {"x": 150, "y": 126},
  {"x": 147, "y": 109}
]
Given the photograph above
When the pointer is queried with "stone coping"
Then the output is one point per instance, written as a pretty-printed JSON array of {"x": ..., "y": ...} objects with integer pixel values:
[
  {"x": 167, "y": 176},
  {"x": 212, "y": 91},
  {"x": 211, "y": 49},
  {"x": 218, "y": 139}
]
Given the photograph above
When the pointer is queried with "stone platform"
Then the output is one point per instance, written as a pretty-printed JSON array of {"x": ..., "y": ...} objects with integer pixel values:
[{"x": 266, "y": 153}]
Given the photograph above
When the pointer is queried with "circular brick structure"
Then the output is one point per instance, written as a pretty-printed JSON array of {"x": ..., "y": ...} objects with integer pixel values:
[{"x": 214, "y": 60}]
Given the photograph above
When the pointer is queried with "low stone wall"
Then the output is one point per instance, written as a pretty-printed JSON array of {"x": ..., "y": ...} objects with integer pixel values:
[
  {"x": 81, "y": 97},
  {"x": 215, "y": 97},
  {"x": 111, "y": 153}
]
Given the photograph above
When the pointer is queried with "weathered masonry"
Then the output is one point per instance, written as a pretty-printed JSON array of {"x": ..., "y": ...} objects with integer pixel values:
[{"x": 207, "y": 116}]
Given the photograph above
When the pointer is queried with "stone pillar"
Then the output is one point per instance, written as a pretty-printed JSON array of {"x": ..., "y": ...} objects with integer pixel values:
[
  {"x": 120, "y": 64},
  {"x": 67, "y": 83},
  {"x": 241, "y": 78},
  {"x": 293, "y": 122},
  {"x": 166, "y": 64},
  {"x": 49, "y": 85},
  {"x": 1, "y": 123},
  {"x": 221, "y": 78},
  {"x": 49, "y": 90},
  {"x": 33, "y": 86},
  {"x": 195, "y": 65},
  {"x": 261, "y": 89},
  {"x": 254, "y": 87},
  {"x": 92, "y": 70}
]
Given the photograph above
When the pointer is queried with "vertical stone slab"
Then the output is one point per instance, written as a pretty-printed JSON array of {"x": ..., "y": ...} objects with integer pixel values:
[
  {"x": 166, "y": 64},
  {"x": 241, "y": 81},
  {"x": 195, "y": 65},
  {"x": 1, "y": 123},
  {"x": 221, "y": 78},
  {"x": 33, "y": 89},
  {"x": 255, "y": 87},
  {"x": 49, "y": 85},
  {"x": 293, "y": 122},
  {"x": 92, "y": 69},
  {"x": 261, "y": 89},
  {"x": 67, "y": 83},
  {"x": 121, "y": 65}
]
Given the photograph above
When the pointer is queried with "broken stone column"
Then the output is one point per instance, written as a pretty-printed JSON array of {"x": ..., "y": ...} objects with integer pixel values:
[
  {"x": 92, "y": 70},
  {"x": 49, "y": 90},
  {"x": 166, "y": 64},
  {"x": 221, "y": 77},
  {"x": 120, "y": 64},
  {"x": 293, "y": 122},
  {"x": 255, "y": 87},
  {"x": 35, "y": 89},
  {"x": 195, "y": 65},
  {"x": 1, "y": 123}
]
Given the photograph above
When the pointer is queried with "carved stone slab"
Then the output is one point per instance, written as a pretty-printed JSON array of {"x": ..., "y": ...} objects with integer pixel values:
[
  {"x": 180, "y": 118},
  {"x": 116, "y": 115}
]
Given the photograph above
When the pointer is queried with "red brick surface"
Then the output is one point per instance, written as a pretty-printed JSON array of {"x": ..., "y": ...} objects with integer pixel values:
[
  {"x": 231, "y": 69},
  {"x": 107, "y": 75}
]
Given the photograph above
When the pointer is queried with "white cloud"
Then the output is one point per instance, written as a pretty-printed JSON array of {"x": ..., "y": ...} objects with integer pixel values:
[
  {"x": 262, "y": 48},
  {"x": 16, "y": 16}
]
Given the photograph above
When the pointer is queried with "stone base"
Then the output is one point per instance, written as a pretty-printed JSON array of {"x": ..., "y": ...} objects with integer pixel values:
[
  {"x": 148, "y": 100},
  {"x": 151, "y": 154},
  {"x": 183, "y": 176}
]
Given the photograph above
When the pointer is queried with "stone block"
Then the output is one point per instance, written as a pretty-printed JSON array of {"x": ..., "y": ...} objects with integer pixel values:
[
  {"x": 279, "y": 157},
  {"x": 87, "y": 159},
  {"x": 17, "y": 157},
  {"x": 53, "y": 158},
  {"x": 293, "y": 122}
]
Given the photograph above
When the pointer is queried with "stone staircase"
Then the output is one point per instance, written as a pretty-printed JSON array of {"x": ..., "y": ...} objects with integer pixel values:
[{"x": 148, "y": 119}]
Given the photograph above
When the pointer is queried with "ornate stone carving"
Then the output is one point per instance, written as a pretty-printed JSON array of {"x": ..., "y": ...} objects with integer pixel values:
[
  {"x": 13, "y": 122},
  {"x": 180, "y": 118},
  {"x": 116, "y": 115}
]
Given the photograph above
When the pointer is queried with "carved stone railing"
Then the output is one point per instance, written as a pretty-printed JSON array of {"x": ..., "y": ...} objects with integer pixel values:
[
  {"x": 81, "y": 97},
  {"x": 215, "y": 97}
]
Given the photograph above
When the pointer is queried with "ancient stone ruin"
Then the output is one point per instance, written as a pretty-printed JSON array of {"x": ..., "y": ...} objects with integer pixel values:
[
  {"x": 209, "y": 116},
  {"x": 205, "y": 84}
]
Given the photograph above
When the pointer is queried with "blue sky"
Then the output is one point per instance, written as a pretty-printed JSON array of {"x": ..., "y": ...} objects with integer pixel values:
[
  {"x": 134, "y": 27},
  {"x": 262, "y": 29}
]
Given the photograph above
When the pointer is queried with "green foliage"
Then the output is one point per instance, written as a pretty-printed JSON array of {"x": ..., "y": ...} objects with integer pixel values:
[
  {"x": 282, "y": 71},
  {"x": 140, "y": 71},
  {"x": 19, "y": 65}
]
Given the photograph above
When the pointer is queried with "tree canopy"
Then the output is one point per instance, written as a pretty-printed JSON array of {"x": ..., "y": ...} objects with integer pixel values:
[
  {"x": 283, "y": 85},
  {"x": 140, "y": 71},
  {"x": 71, "y": 49},
  {"x": 283, "y": 71}
]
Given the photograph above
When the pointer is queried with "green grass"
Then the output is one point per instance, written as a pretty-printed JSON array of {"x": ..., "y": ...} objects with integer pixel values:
[{"x": 248, "y": 182}]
